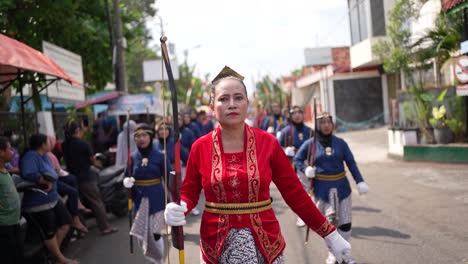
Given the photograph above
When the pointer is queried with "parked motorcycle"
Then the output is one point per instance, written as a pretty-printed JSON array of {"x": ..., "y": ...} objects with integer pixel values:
[{"x": 114, "y": 194}]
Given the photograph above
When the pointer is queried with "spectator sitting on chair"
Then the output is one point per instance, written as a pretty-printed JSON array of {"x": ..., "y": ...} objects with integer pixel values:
[{"x": 45, "y": 206}]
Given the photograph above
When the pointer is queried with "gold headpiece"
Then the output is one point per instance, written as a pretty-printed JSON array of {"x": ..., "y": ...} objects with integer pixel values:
[{"x": 227, "y": 72}]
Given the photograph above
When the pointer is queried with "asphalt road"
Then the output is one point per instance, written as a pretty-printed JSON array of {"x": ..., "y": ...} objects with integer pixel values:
[{"x": 415, "y": 212}]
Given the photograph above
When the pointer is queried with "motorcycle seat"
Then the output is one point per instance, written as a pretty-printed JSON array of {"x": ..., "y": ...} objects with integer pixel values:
[
  {"x": 110, "y": 172},
  {"x": 22, "y": 185}
]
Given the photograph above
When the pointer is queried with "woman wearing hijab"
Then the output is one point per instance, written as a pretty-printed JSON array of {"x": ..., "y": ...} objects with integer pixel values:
[
  {"x": 122, "y": 148},
  {"x": 164, "y": 134},
  {"x": 148, "y": 170},
  {"x": 332, "y": 191},
  {"x": 234, "y": 165}
]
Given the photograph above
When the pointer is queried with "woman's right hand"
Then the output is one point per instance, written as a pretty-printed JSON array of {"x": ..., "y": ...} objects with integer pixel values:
[
  {"x": 128, "y": 182},
  {"x": 310, "y": 172},
  {"x": 45, "y": 185},
  {"x": 175, "y": 214}
]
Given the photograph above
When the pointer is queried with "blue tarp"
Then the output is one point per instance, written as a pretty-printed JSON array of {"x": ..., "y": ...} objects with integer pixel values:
[
  {"x": 46, "y": 105},
  {"x": 138, "y": 104}
]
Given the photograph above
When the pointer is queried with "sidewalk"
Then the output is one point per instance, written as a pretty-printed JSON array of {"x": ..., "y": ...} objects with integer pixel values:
[{"x": 368, "y": 145}]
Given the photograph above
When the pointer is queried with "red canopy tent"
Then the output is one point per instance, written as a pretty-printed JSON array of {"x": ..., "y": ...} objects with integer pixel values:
[
  {"x": 450, "y": 5},
  {"x": 18, "y": 59}
]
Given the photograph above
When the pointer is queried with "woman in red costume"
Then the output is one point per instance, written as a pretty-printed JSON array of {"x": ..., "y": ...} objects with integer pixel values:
[{"x": 234, "y": 165}]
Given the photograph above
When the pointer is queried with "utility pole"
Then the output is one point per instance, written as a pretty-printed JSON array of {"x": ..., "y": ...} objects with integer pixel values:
[
  {"x": 465, "y": 38},
  {"x": 121, "y": 44}
]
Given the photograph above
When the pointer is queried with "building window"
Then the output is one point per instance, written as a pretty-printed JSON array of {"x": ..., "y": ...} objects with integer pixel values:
[
  {"x": 358, "y": 21},
  {"x": 378, "y": 18}
]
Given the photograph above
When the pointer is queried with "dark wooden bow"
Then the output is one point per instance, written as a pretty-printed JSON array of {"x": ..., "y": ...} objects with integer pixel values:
[
  {"x": 129, "y": 174},
  {"x": 176, "y": 181},
  {"x": 311, "y": 160}
]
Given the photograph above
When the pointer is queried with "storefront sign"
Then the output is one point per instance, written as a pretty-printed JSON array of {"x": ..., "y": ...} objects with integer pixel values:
[
  {"x": 462, "y": 90},
  {"x": 461, "y": 69}
]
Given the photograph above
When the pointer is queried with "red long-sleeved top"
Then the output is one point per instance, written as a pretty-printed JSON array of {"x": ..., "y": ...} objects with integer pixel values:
[{"x": 244, "y": 178}]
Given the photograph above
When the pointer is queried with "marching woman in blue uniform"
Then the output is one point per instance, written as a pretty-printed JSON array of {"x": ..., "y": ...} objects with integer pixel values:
[
  {"x": 164, "y": 133},
  {"x": 295, "y": 133},
  {"x": 331, "y": 188},
  {"x": 291, "y": 139},
  {"x": 148, "y": 170},
  {"x": 187, "y": 137}
]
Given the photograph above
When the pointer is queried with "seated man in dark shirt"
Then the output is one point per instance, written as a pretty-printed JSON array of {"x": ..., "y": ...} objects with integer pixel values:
[{"x": 78, "y": 159}]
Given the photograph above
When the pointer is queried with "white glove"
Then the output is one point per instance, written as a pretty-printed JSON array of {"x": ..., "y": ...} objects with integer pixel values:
[
  {"x": 290, "y": 152},
  {"x": 340, "y": 248},
  {"x": 362, "y": 187},
  {"x": 175, "y": 214},
  {"x": 310, "y": 172},
  {"x": 63, "y": 173},
  {"x": 278, "y": 135},
  {"x": 128, "y": 182},
  {"x": 270, "y": 130}
]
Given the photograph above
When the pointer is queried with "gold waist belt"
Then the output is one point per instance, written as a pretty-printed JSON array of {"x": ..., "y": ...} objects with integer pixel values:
[
  {"x": 332, "y": 177},
  {"x": 148, "y": 182},
  {"x": 238, "y": 208}
]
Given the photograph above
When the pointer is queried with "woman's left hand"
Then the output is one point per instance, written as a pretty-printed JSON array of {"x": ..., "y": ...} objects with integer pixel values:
[
  {"x": 340, "y": 248},
  {"x": 362, "y": 187}
]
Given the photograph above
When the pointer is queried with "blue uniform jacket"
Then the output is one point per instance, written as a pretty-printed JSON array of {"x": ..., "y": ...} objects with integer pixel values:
[
  {"x": 196, "y": 129},
  {"x": 329, "y": 165},
  {"x": 33, "y": 167},
  {"x": 298, "y": 137},
  {"x": 187, "y": 138},
  {"x": 207, "y": 127},
  {"x": 154, "y": 170},
  {"x": 275, "y": 122},
  {"x": 171, "y": 149}
]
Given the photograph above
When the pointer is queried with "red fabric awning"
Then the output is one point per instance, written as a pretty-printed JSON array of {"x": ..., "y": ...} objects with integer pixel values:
[
  {"x": 99, "y": 99},
  {"x": 450, "y": 4},
  {"x": 17, "y": 57}
]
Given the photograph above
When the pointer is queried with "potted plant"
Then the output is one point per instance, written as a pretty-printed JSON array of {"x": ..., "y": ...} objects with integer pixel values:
[
  {"x": 456, "y": 122},
  {"x": 442, "y": 133}
]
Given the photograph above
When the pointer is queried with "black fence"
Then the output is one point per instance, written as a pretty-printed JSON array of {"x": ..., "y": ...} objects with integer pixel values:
[
  {"x": 60, "y": 118},
  {"x": 12, "y": 122}
]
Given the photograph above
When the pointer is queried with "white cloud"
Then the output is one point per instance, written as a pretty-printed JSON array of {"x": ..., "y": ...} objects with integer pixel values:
[{"x": 251, "y": 36}]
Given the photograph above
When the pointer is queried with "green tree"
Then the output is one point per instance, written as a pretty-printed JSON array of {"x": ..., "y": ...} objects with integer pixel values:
[
  {"x": 135, "y": 14},
  {"x": 397, "y": 55},
  {"x": 440, "y": 41},
  {"x": 270, "y": 92},
  {"x": 79, "y": 26},
  {"x": 82, "y": 26},
  {"x": 138, "y": 51},
  {"x": 395, "y": 52}
]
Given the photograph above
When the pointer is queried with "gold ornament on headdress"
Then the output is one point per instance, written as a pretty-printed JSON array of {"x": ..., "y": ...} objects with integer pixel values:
[{"x": 227, "y": 72}]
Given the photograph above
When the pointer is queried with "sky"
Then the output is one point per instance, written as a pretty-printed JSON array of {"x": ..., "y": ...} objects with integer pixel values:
[{"x": 254, "y": 37}]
